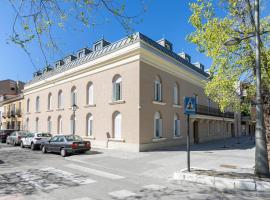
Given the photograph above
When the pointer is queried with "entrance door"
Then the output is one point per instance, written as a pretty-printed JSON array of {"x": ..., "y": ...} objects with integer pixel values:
[
  {"x": 195, "y": 132},
  {"x": 117, "y": 125},
  {"x": 232, "y": 130}
]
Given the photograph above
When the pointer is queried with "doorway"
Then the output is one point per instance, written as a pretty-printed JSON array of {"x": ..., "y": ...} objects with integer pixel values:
[
  {"x": 232, "y": 130},
  {"x": 196, "y": 132}
]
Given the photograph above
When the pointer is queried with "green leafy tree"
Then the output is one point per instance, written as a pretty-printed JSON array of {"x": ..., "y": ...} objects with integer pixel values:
[{"x": 215, "y": 23}]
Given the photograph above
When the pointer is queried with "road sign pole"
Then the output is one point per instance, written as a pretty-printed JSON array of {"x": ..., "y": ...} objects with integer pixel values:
[{"x": 188, "y": 145}]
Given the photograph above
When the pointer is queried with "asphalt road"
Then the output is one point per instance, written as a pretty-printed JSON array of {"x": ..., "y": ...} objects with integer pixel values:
[{"x": 110, "y": 174}]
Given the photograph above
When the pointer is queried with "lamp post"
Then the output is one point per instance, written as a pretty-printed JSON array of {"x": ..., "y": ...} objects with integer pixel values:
[
  {"x": 261, "y": 156},
  {"x": 74, "y": 107}
]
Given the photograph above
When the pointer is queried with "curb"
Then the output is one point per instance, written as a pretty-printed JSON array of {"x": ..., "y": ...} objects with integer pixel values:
[{"x": 223, "y": 183}]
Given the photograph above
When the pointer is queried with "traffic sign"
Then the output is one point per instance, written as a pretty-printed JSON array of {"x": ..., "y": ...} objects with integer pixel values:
[{"x": 190, "y": 105}]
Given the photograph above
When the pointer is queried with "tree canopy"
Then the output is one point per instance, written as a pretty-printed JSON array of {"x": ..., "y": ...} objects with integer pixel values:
[{"x": 214, "y": 24}]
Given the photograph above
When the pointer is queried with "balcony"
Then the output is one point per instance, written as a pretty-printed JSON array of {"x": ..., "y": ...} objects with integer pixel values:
[
  {"x": 205, "y": 110},
  {"x": 18, "y": 112}
]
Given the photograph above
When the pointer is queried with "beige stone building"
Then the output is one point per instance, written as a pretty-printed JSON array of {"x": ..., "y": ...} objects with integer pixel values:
[
  {"x": 12, "y": 112},
  {"x": 129, "y": 95}
]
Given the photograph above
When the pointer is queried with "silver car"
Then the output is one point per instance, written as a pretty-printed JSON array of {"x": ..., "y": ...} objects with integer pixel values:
[
  {"x": 15, "y": 137},
  {"x": 34, "y": 140}
]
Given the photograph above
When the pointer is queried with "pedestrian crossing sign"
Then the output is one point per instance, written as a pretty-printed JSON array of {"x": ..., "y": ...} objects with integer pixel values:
[{"x": 190, "y": 105}]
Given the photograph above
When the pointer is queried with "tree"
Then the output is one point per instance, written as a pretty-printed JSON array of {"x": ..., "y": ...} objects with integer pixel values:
[
  {"x": 234, "y": 64},
  {"x": 36, "y": 21}
]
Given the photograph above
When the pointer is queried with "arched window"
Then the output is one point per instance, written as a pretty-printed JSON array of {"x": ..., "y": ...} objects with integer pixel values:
[
  {"x": 157, "y": 125},
  {"x": 37, "y": 104},
  {"x": 28, "y": 106},
  {"x": 27, "y": 124},
  {"x": 117, "y": 88},
  {"x": 157, "y": 89},
  {"x": 89, "y": 122},
  {"x": 50, "y": 101},
  {"x": 90, "y": 94},
  {"x": 60, "y": 99},
  {"x": 59, "y": 125},
  {"x": 73, "y": 96},
  {"x": 176, "y": 125},
  {"x": 117, "y": 125},
  {"x": 73, "y": 124},
  {"x": 36, "y": 128},
  {"x": 49, "y": 124},
  {"x": 175, "y": 94}
]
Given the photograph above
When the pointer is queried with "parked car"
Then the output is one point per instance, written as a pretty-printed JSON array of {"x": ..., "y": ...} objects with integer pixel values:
[
  {"x": 4, "y": 134},
  {"x": 15, "y": 137},
  {"x": 65, "y": 145},
  {"x": 34, "y": 140}
]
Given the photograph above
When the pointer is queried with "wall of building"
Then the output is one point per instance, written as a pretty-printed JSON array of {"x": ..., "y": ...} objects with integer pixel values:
[
  {"x": 167, "y": 109},
  {"x": 102, "y": 112}
]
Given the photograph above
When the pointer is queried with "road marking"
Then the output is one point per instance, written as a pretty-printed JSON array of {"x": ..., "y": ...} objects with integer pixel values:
[
  {"x": 95, "y": 172},
  {"x": 122, "y": 194},
  {"x": 83, "y": 198},
  {"x": 154, "y": 187}
]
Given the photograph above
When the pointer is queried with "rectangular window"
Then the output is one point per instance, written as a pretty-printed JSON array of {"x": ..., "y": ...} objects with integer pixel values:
[
  {"x": 157, "y": 92},
  {"x": 158, "y": 128},
  {"x": 117, "y": 92},
  {"x": 177, "y": 127}
]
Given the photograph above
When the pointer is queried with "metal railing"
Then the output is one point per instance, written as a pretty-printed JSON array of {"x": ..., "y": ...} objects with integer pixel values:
[{"x": 205, "y": 110}]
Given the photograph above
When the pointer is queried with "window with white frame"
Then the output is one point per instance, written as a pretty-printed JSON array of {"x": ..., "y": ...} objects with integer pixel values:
[
  {"x": 49, "y": 125},
  {"x": 117, "y": 125},
  {"x": 28, "y": 106},
  {"x": 176, "y": 125},
  {"x": 37, "y": 104},
  {"x": 60, "y": 99},
  {"x": 157, "y": 125},
  {"x": 90, "y": 94},
  {"x": 175, "y": 94},
  {"x": 157, "y": 89},
  {"x": 59, "y": 125},
  {"x": 36, "y": 128},
  {"x": 89, "y": 121},
  {"x": 73, "y": 96},
  {"x": 73, "y": 124},
  {"x": 50, "y": 101},
  {"x": 117, "y": 88},
  {"x": 27, "y": 124}
]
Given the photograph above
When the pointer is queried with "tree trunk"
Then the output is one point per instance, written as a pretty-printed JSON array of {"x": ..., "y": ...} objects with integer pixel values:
[{"x": 266, "y": 112}]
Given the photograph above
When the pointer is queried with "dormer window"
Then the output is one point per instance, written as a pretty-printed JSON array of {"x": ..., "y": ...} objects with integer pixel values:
[
  {"x": 80, "y": 54},
  {"x": 70, "y": 58},
  {"x": 59, "y": 63},
  {"x": 97, "y": 46}
]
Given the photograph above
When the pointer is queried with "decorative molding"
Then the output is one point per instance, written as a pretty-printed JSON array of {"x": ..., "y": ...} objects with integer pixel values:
[
  {"x": 90, "y": 105},
  {"x": 177, "y": 106},
  {"x": 49, "y": 110},
  {"x": 159, "y": 103},
  {"x": 116, "y": 140},
  {"x": 159, "y": 139},
  {"x": 60, "y": 109},
  {"x": 117, "y": 102},
  {"x": 89, "y": 137}
]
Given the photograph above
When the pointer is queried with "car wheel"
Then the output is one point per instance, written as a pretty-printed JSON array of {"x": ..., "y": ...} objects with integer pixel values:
[
  {"x": 22, "y": 146},
  {"x": 44, "y": 149},
  {"x": 63, "y": 152},
  {"x": 33, "y": 146}
]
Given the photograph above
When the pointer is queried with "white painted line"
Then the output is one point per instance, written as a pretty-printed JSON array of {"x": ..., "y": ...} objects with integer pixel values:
[
  {"x": 83, "y": 198},
  {"x": 95, "y": 172},
  {"x": 122, "y": 194},
  {"x": 154, "y": 187}
]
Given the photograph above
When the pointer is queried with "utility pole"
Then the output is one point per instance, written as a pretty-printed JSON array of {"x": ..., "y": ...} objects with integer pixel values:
[{"x": 261, "y": 156}]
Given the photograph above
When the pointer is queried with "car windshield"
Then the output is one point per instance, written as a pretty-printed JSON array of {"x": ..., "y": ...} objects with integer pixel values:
[
  {"x": 22, "y": 133},
  {"x": 44, "y": 135},
  {"x": 73, "y": 138}
]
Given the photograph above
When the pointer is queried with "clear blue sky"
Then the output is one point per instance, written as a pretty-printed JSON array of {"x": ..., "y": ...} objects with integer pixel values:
[{"x": 163, "y": 18}]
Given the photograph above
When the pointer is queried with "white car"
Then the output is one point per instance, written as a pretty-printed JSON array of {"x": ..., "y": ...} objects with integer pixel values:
[{"x": 34, "y": 140}]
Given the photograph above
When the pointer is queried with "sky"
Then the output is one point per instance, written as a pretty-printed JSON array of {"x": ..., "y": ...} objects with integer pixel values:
[{"x": 162, "y": 19}]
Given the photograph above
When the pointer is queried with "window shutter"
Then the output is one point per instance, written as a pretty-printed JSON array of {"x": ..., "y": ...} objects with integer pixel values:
[
  {"x": 178, "y": 127},
  {"x": 160, "y": 92},
  {"x": 155, "y": 92},
  {"x": 160, "y": 127},
  {"x": 114, "y": 91},
  {"x": 117, "y": 91}
]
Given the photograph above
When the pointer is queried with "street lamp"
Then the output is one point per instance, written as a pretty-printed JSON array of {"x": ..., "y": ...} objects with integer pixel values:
[
  {"x": 261, "y": 156},
  {"x": 74, "y": 107}
]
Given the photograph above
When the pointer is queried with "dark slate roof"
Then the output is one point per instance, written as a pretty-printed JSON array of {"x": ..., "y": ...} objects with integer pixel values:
[{"x": 115, "y": 47}]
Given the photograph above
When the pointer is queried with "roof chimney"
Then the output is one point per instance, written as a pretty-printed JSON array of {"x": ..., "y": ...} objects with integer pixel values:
[{"x": 165, "y": 43}]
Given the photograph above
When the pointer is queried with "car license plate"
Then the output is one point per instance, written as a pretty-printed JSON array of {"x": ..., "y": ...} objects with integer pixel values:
[{"x": 81, "y": 145}]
